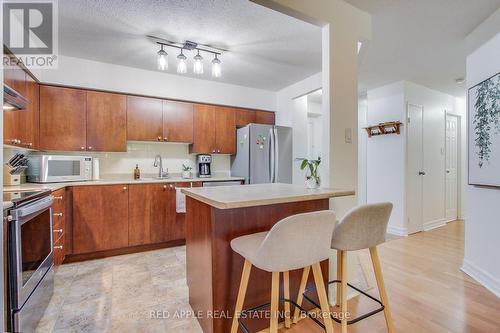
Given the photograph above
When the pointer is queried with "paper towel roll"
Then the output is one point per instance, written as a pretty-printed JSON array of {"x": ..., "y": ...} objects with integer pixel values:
[{"x": 95, "y": 169}]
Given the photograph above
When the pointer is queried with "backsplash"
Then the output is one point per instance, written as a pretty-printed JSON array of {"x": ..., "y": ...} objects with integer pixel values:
[{"x": 143, "y": 153}]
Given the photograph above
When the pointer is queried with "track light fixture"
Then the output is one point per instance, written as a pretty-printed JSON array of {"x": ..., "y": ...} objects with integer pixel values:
[{"x": 162, "y": 58}]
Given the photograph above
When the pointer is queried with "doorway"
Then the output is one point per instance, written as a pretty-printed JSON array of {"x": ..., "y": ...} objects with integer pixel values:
[
  {"x": 415, "y": 168},
  {"x": 451, "y": 166}
]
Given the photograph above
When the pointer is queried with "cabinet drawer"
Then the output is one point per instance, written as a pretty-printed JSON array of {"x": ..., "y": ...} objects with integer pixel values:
[{"x": 59, "y": 253}]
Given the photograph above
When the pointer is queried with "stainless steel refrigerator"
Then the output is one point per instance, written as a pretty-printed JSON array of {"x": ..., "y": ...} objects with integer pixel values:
[{"x": 263, "y": 154}]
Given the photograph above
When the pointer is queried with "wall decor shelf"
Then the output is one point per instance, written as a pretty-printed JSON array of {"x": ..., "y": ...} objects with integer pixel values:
[{"x": 391, "y": 127}]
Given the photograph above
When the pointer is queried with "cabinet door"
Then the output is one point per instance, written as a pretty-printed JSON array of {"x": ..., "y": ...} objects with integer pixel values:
[
  {"x": 144, "y": 119},
  {"x": 140, "y": 216},
  {"x": 163, "y": 222},
  {"x": 62, "y": 118},
  {"x": 264, "y": 117},
  {"x": 100, "y": 218},
  {"x": 177, "y": 122},
  {"x": 12, "y": 120},
  {"x": 28, "y": 123},
  {"x": 204, "y": 129},
  {"x": 244, "y": 117},
  {"x": 225, "y": 130},
  {"x": 106, "y": 121}
]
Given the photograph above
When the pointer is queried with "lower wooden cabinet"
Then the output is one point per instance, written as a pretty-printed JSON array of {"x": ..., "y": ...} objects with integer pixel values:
[
  {"x": 59, "y": 225},
  {"x": 100, "y": 218}
]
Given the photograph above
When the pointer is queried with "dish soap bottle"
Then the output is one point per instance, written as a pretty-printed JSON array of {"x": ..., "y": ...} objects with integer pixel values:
[{"x": 137, "y": 172}]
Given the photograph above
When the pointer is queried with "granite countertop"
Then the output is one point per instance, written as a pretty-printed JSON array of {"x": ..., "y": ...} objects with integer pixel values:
[
  {"x": 228, "y": 197},
  {"x": 116, "y": 180}
]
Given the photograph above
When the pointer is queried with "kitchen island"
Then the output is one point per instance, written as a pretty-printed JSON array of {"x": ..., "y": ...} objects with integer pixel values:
[{"x": 215, "y": 216}]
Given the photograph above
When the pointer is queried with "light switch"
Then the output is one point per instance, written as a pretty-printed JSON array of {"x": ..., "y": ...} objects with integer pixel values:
[{"x": 348, "y": 135}]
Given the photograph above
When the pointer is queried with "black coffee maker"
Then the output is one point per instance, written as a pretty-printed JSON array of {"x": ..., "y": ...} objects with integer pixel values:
[{"x": 204, "y": 161}]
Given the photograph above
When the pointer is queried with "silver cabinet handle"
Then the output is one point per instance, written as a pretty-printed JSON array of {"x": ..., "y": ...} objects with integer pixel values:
[
  {"x": 164, "y": 187},
  {"x": 60, "y": 247},
  {"x": 82, "y": 148},
  {"x": 218, "y": 150},
  {"x": 125, "y": 188},
  {"x": 60, "y": 197},
  {"x": 58, "y": 214},
  {"x": 171, "y": 186},
  {"x": 30, "y": 144},
  {"x": 159, "y": 138},
  {"x": 90, "y": 147},
  {"x": 165, "y": 139},
  {"x": 59, "y": 230}
]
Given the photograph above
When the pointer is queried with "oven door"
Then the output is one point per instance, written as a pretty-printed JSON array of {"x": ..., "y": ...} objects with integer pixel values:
[
  {"x": 31, "y": 253},
  {"x": 65, "y": 168}
]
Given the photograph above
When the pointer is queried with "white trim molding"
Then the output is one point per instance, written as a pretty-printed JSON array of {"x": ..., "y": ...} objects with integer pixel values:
[
  {"x": 398, "y": 231},
  {"x": 481, "y": 276},
  {"x": 435, "y": 224}
]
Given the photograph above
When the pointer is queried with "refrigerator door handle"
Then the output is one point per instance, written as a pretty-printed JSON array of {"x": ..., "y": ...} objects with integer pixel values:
[
  {"x": 276, "y": 155},
  {"x": 271, "y": 156}
]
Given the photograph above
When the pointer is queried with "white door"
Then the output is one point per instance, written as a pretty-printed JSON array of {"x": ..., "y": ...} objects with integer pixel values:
[
  {"x": 451, "y": 167},
  {"x": 415, "y": 181}
]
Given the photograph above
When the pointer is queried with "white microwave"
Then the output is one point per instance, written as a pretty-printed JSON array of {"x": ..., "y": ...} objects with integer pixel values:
[{"x": 58, "y": 168}]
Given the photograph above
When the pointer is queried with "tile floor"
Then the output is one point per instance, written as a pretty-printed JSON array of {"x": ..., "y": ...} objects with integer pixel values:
[{"x": 140, "y": 292}]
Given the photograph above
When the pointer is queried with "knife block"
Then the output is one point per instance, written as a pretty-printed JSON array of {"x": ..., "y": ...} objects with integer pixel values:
[{"x": 9, "y": 179}]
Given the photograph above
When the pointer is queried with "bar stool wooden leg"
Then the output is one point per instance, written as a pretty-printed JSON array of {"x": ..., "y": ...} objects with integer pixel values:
[
  {"x": 286, "y": 295},
  {"x": 323, "y": 298},
  {"x": 343, "y": 292},
  {"x": 275, "y": 294},
  {"x": 300, "y": 295},
  {"x": 241, "y": 295},
  {"x": 381, "y": 288},
  {"x": 339, "y": 274}
]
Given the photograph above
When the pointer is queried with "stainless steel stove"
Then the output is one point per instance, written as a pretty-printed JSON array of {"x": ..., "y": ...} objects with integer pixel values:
[{"x": 30, "y": 258}]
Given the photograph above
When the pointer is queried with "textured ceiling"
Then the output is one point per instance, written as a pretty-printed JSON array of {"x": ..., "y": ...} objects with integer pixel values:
[
  {"x": 267, "y": 49},
  {"x": 420, "y": 41}
]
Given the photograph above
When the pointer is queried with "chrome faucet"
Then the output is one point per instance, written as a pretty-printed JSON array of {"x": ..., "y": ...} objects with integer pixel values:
[{"x": 159, "y": 164}]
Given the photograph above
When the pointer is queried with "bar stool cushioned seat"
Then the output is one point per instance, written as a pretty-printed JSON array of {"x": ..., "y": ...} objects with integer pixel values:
[{"x": 295, "y": 242}]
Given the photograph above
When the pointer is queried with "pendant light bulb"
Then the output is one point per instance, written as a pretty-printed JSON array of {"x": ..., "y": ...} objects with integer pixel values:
[
  {"x": 216, "y": 67},
  {"x": 181, "y": 63},
  {"x": 198, "y": 64},
  {"x": 162, "y": 60}
]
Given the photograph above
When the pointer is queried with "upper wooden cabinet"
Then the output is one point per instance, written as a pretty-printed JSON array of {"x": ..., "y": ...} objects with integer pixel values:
[
  {"x": 100, "y": 218},
  {"x": 178, "y": 122},
  {"x": 13, "y": 128},
  {"x": 204, "y": 129},
  {"x": 29, "y": 120},
  {"x": 144, "y": 119},
  {"x": 63, "y": 124},
  {"x": 106, "y": 121},
  {"x": 264, "y": 117},
  {"x": 244, "y": 117},
  {"x": 225, "y": 130}
]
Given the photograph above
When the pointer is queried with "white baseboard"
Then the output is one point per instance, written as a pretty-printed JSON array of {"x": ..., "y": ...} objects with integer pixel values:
[
  {"x": 481, "y": 276},
  {"x": 435, "y": 224},
  {"x": 398, "y": 231}
]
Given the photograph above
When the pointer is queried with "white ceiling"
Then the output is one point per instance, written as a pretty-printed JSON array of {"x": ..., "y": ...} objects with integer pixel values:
[
  {"x": 420, "y": 41},
  {"x": 267, "y": 49}
]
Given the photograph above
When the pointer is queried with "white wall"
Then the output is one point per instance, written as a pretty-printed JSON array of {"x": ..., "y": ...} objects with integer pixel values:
[
  {"x": 99, "y": 75},
  {"x": 386, "y": 155},
  {"x": 482, "y": 232}
]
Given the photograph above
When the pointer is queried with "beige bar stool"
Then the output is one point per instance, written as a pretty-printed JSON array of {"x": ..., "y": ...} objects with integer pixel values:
[
  {"x": 363, "y": 227},
  {"x": 298, "y": 241}
]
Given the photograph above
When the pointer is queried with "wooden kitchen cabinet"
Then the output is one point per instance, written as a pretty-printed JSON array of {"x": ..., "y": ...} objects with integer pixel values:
[
  {"x": 140, "y": 214},
  {"x": 29, "y": 120},
  {"x": 63, "y": 122},
  {"x": 163, "y": 224},
  {"x": 178, "y": 121},
  {"x": 15, "y": 78},
  {"x": 144, "y": 119},
  {"x": 225, "y": 130},
  {"x": 244, "y": 117},
  {"x": 204, "y": 129},
  {"x": 106, "y": 121},
  {"x": 264, "y": 117},
  {"x": 100, "y": 218},
  {"x": 59, "y": 225}
]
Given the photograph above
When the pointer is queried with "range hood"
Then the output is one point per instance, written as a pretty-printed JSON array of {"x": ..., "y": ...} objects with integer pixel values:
[{"x": 12, "y": 100}]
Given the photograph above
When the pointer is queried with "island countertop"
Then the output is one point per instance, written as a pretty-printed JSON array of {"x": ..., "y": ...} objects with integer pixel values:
[{"x": 229, "y": 197}]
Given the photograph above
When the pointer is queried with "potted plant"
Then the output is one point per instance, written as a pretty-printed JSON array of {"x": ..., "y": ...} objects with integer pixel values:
[
  {"x": 312, "y": 178},
  {"x": 186, "y": 171}
]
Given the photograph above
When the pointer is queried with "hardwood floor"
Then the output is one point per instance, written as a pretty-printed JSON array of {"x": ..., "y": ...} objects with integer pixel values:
[{"x": 427, "y": 290}]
